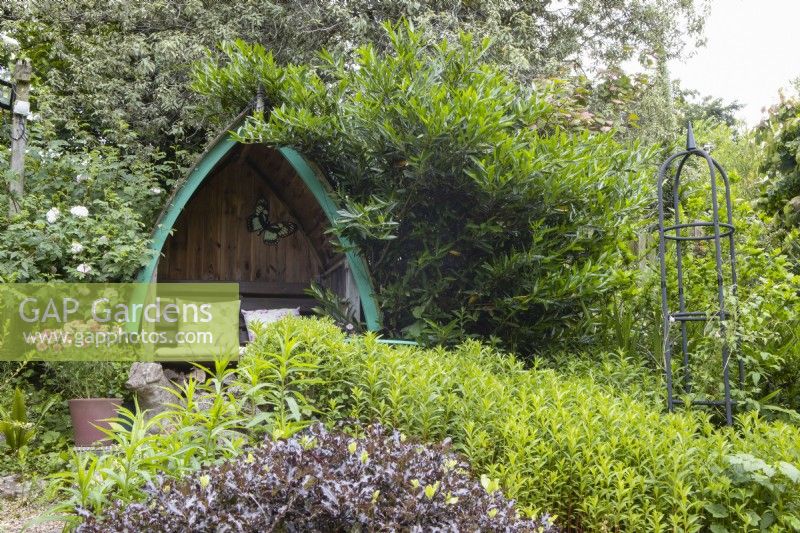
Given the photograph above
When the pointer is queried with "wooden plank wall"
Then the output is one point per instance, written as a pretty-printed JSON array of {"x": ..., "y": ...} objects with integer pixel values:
[
  {"x": 341, "y": 281},
  {"x": 210, "y": 241}
]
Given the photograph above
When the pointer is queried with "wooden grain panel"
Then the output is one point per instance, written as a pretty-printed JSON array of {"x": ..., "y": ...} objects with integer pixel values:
[
  {"x": 244, "y": 247},
  {"x": 210, "y": 240},
  {"x": 257, "y": 288},
  {"x": 230, "y": 212},
  {"x": 300, "y": 200}
]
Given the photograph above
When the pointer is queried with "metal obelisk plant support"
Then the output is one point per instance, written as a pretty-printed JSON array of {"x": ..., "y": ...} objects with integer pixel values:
[{"x": 719, "y": 231}]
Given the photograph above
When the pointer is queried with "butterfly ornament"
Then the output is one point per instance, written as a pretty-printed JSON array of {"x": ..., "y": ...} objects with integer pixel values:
[{"x": 259, "y": 223}]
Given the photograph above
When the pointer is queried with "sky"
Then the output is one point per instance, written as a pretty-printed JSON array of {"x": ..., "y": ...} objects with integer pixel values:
[{"x": 753, "y": 50}]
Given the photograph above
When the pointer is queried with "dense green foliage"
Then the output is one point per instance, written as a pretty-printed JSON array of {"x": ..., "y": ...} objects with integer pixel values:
[
  {"x": 779, "y": 137},
  {"x": 594, "y": 457},
  {"x": 125, "y": 124},
  {"x": 85, "y": 204},
  {"x": 477, "y": 209},
  {"x": 695, "y": 108},
  {"x": 119, "y": 71},
  {"x": 46, "y": 421},
  {"x": 323, "y": 481},
  {"x": 780, "y": 141},
  {"x": 766, "y": 309},
  {"x": 548, "y": 439},
  {"x": 14, "y": 425}
]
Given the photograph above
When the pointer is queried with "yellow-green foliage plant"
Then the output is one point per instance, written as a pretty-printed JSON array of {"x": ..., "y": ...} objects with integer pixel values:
[{"x": 593, "y": 456}]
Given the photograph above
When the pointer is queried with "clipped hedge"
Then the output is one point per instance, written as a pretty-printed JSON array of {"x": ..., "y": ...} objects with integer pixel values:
[
  {"x": 322, "y": 481},
  {"x": 594, "y": 457}
]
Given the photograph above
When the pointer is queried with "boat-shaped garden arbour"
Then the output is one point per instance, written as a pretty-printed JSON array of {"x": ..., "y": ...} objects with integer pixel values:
[{"x": 257, "y": 216}]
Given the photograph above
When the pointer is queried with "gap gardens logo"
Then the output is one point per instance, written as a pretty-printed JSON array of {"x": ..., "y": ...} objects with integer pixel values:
[{"x": 130, "y": 321}]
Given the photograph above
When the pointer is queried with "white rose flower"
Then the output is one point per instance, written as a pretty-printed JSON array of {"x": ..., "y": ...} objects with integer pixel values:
[
  {"x": 52, "y": 215},
  {"x": 156, "y": 190},
  {"x": 79, "y": 211},
  {"x": 83, "y": 268},
  {"x": 76, "y": 248},
  {"x": 102, "y": 240},
  {"x": 9, "y": 42},
  {"x": 81, "y": 178}
]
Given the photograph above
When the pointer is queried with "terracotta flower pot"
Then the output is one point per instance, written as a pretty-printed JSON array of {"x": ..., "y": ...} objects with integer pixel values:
[{"x": 86, "y": 413}]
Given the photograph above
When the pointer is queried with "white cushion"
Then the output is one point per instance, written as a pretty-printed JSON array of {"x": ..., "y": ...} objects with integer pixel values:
[{"x": 266, "y": 316}]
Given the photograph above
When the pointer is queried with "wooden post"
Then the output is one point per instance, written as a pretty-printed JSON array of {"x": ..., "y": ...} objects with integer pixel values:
[{"x": 19, "y": 133}]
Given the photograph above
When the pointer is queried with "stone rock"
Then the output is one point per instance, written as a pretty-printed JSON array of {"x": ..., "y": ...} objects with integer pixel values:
[
  {"x": 12, "y": 486},
  {"x": 791, "y": 210},
  {"x": 150, "y": 381}
]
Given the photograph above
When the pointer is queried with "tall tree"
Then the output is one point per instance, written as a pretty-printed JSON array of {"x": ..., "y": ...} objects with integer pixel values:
[{"x": 119, "y": 69}]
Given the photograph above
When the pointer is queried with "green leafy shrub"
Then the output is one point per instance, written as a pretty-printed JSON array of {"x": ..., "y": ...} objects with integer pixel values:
[
  {"x": 764, "y": 324},
  {"x": 136, "y": 92},
  {"x": 766, "y": 307},
  {"x": 321, "y": 481},
  {"x": 594, "y": 457},
  {"x": 108, "y": 245},
  {"x": 482, "y": 206},
  {"x": 208, "y": 423},
  {"x": 200, "y": 429},
  {"x": 88, "y": 379},
  {"x": 14, "y": 425},
  {"x": 622, "y": 370},
  {"x": 780, "y": 136},
  {"x": 85, "y": 216},
  {"x": 47, "y": 420},
  {"x": 48, "y": 386},
  {"x": 765, "y": 312}
]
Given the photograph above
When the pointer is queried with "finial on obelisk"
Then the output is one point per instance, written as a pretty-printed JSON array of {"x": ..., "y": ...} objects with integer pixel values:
[{"x": 690, "y": 142}]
